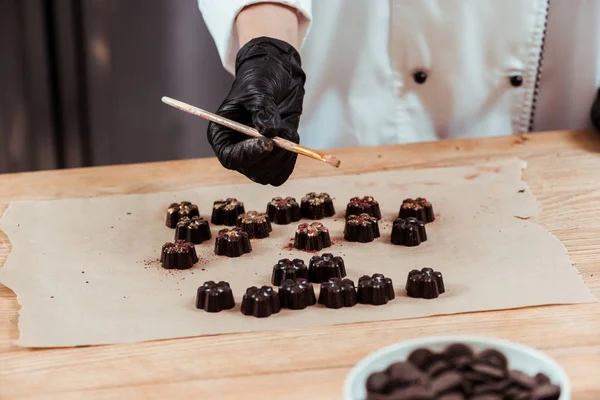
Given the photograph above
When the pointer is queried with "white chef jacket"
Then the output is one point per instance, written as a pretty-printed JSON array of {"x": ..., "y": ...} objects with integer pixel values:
[{"x": 361, "y": 57}]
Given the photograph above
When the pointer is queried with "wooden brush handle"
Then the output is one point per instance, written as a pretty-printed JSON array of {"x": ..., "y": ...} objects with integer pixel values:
[{"x": 236, "y": 126}]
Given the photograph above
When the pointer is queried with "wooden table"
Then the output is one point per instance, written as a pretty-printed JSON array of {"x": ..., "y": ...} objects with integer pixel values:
[{"x": 563, "y": 172}]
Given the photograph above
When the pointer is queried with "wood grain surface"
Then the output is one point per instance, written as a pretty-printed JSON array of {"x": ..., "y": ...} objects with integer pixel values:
[{"x": 563, "y": 173}]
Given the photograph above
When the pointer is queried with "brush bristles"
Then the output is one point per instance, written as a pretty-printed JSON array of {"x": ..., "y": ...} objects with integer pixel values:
[{"x": 332, "y": 160}]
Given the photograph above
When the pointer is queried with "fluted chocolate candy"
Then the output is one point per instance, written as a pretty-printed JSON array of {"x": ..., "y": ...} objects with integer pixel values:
[
  {"x": 226, "y": 212},
  {"x": 232, "y": 243},
  {"x": 337, "y": 293},
  {"x": 214, "y": 297},
  {"x": 457, "y": 374},
  {"x": 256, "y": 225},
  {"x": 176, "y": 211},
  {"x": 363, "y": 205},
  {"x": 296, "y": 294},
  {"x": 361, "y": 228},
  {"x": 375, "y": 290},
  {"x": 426, "y": 283},
  {"x": 312, "y": 237},
  {"x": 408, "y": 232},
  {"x": 178, "y": 255},
  {"x": 322, "y": 268},
  {"x": 194, "y": 230},
  {"x": 283, "y": 211},
  {"x": 418, "y": 208},
  {"x": 288, "y": 269},
  {"x": 316, "y": 206},
  {"x": 260, "y": 302}
]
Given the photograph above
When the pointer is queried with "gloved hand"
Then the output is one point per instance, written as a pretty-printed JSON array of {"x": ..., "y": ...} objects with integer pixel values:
[
  {"x": 267, "y": 94},
  {"x": 595, "y": 113}
]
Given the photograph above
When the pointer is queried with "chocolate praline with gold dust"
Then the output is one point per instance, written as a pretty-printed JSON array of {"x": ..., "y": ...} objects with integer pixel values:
[
  {"x": 363, "y": 205},
  {"x": 361, "y": 228},
  {"x": 257, "y": 225},
  {"x": 312, "y": 237},
  {"x": 283, "y": 211},
  {"x": 176, "y": 211},
  {"x": 316, "y": 206},
  {"x": 178, "y": 255},
  {"x": 225, "y": 212},
  {"x": 419, "y": 208},
  {"x": 194, "y": 230},
  {"x": 232, "y": 242}
]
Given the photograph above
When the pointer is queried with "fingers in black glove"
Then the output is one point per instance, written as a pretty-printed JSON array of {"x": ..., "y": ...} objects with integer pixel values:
[{"x": 267, "y": 93}]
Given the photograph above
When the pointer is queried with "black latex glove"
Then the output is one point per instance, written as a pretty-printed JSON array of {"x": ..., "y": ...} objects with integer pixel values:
[
  {"x": 267, "y": 94},
  {"x": 595, "y": 114}
]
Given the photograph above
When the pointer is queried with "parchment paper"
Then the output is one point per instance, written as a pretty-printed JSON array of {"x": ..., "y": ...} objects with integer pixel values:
[{"x": 85, "y": 270}]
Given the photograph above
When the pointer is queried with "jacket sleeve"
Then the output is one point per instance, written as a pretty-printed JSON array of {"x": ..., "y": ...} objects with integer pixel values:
[{"x": 219, "y": 17}]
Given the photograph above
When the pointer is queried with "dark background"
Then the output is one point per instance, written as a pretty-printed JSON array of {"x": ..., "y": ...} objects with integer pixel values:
[{"x": 81, "y": 82}]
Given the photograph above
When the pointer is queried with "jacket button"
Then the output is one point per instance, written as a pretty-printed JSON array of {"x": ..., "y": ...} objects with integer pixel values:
[
  {"x": 420, "y": 77},
  {"x": 516, "y": 80}
]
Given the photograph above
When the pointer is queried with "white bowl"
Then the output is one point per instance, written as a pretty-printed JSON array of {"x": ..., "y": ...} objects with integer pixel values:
[{"x": 521, "y": 357}]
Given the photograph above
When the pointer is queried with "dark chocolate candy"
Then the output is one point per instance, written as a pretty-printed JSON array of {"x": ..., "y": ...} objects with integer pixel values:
[
  {"x": 456, "y": 353},
  {"x": 446, "y": 382},
  {"x": 487, "y": 396},
  {"x": 546, "y": 391},
  {"x": 404, "y": 374},
  {"x": 452, "y": 396},
  {"x": 312, "y": 237},
  {"x": 492, "y": 387},
  {"x": 215, "y": 297},
  {"x": 541, "y": 378},
  {"x": 226, "y": 212},
  {"x": 493, "y": 357},
  {"x": 375, "y": 290},
  {"x": 439, "y": 367},
  {"x": 337, "y": 293},
  {"x": 422, "y": 358},
  {"x": 260, "y": 302},
  {"x": 288, "y": 269},
  {"x": 296, "y": 294},
  {"x": 522, "y": 380},
  {"x": 459, "y": 374},
  {"x": 232, "y": 243},
  {"x": 426, "y": 283},
  {"x": 488, "y": 372},
  {"x": 408, "y": 232},
  {"x": 283, "y": 211},
  {"x": 411, "y": 393},
  {"x": 361, "y": 228},
  {"x": 178, "y": 255},
  {"x": 514, "y": 393},
  {"x": 316, "y": 206},
  {"x": 176, "y": 211},
  {"x": 321, "y": 268},
  {"x": 257, "y": 225},
  {"x": 418, "y": 208},
  {"x": 475, "y": 378},
  {"x": 378, "y": 382},
  {"x": 363, "y": 205},
  {"x": 194, "y": 230}
]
